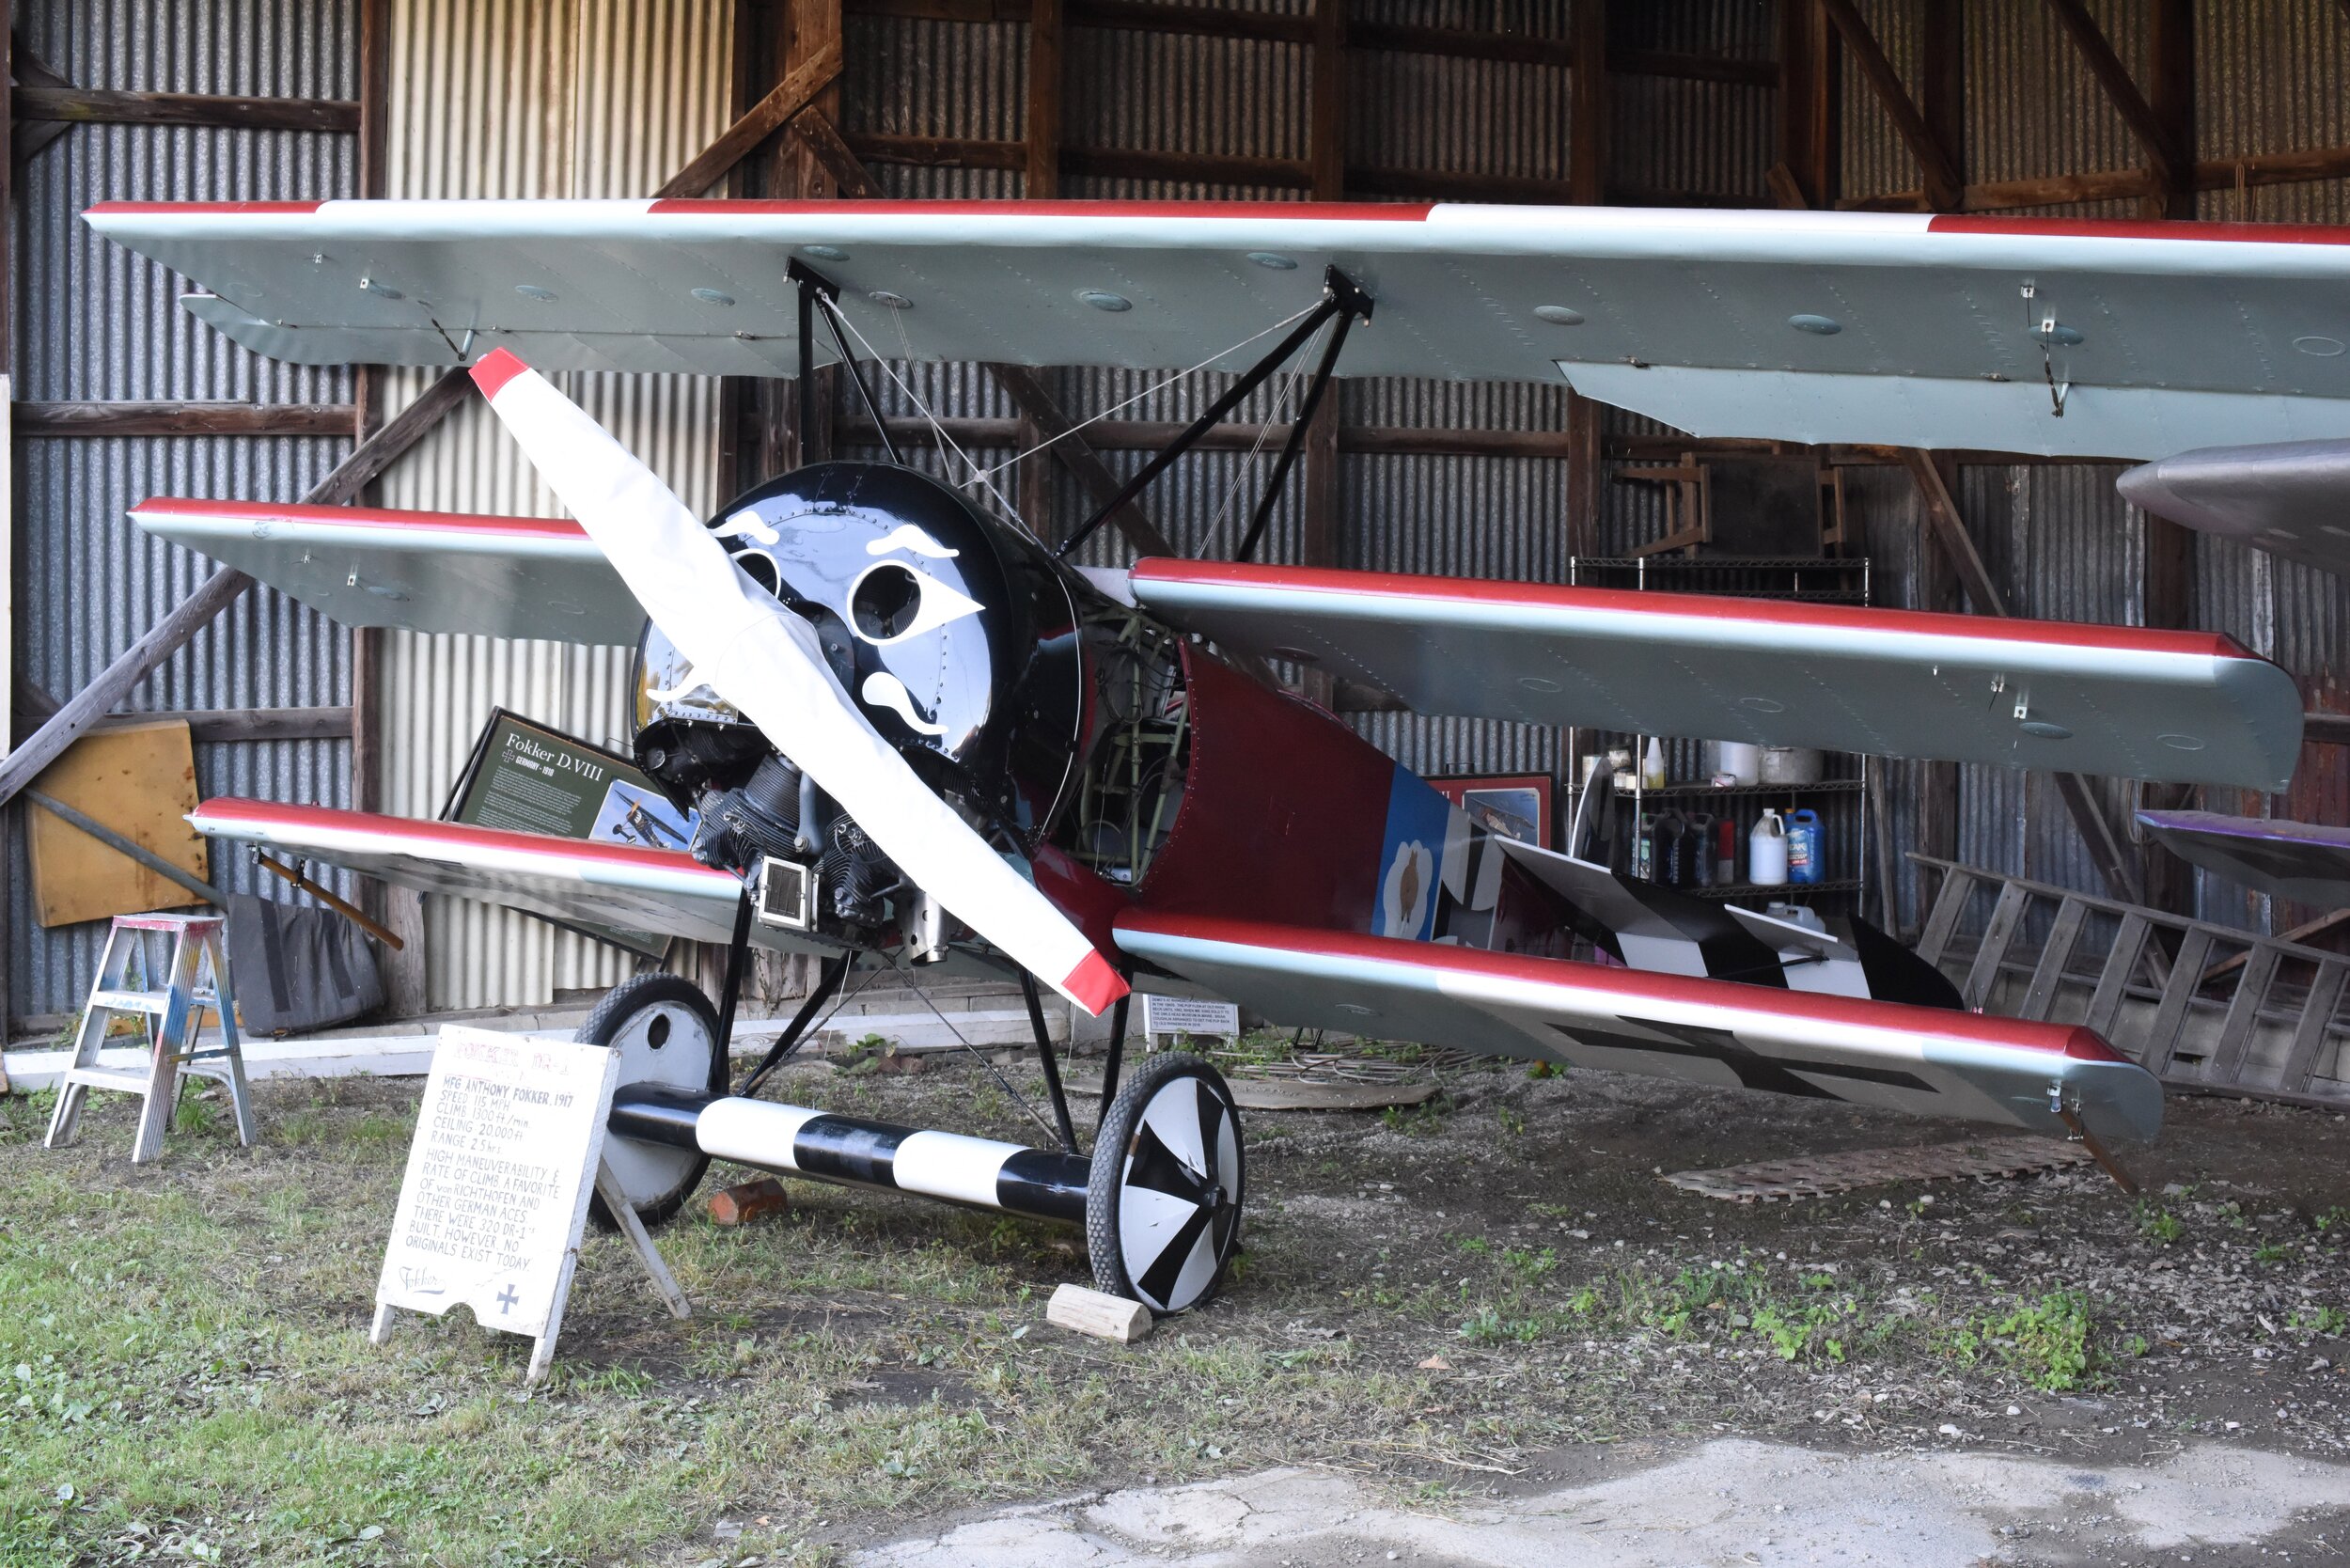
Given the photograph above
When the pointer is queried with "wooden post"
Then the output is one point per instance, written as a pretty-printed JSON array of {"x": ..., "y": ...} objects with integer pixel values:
[
  {"x": 1044, "y": 95},
  {"x": 2171, "y": 96},
  {"x": 1587, "y": 130},
  {"x": 1325, "y": 144},
  {"x": 1942, "y": 86},
  {"x": 1948, "y": 529}
]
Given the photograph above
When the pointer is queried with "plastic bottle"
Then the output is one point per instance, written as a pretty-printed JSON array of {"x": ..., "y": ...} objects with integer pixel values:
[
  {"x": 1803, "y": 846},
  {"x": 1766, "y": 851},
  {"x": 1674, "y": 847},
  {"x": 1725, "y": 851},
  {"x": 1653, "y": 765}
]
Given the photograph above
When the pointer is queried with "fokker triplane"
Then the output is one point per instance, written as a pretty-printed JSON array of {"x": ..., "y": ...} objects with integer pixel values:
[{"x": 912, "y": 731}]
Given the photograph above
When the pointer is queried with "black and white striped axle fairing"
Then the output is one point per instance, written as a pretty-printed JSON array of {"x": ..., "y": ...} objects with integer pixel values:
[
  {"x": 1160, "y": 1198},
  {"x": 793, "y": 1140}
]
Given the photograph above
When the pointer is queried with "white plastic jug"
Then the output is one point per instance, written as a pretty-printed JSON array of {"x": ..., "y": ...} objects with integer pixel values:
[{"x": 1766, "y": 851}]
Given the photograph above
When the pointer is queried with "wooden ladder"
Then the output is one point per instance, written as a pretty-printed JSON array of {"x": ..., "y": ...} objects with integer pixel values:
[
  {"x": 170, "y": 1021},
  {"x": 2229, "y": 1009}
]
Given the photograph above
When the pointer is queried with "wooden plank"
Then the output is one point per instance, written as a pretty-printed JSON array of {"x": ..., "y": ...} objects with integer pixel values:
[
  {"x": 2007, "y": 916},
  {"x": 1044, "y": 137},
  {"x": 2047, "y": 975},
  {"x": 139, "y": 781},
  {"x": 120, "y": 418},
  {"x": 2178, "y": 1000},
  {"x": 192, "y": 614},
  {"x": 814, "y": 131},
  {"x": 1950, "y": 908},
  {"x": 1944, "y": 188},
  {"x": 2309, "y": 1034},
  {"x": 2105, "y": 1003},
  {"x": 2225, "y": 1064},
  {"x": 95, "y": 105},
  {"x": 2170, "y": 95},
  {"x": 1326, "y": 122},
  {"x": 1030, "y": 395},
  {"x": 1587, "y": 110},
  {"x": 2293, "y": 167},
  {"x": 2164, "y": 161},
  {"x": 798, "y": 87}
]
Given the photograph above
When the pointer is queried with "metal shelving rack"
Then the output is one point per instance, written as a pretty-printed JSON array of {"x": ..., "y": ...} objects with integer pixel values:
[{"x": 1841, "y": 798}]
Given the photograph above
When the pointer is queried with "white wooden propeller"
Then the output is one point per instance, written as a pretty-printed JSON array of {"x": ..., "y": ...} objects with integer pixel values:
[{"x": 766, "y": 660}]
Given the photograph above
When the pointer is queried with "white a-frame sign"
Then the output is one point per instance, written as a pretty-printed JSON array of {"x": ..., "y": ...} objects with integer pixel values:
[{"x": 508, "y": 1148}]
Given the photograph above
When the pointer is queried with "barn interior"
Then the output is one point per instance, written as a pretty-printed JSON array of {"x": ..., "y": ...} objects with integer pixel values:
[{"x": 2204, "y": 1311}]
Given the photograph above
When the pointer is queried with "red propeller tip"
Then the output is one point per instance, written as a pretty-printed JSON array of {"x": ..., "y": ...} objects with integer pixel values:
[
  {"x": 498, "y": 367},
  {"x": 1094, "y": 984}
]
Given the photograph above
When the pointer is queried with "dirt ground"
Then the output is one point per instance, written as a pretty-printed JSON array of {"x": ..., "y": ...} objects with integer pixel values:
[{"x": 1483, "y": 1300}]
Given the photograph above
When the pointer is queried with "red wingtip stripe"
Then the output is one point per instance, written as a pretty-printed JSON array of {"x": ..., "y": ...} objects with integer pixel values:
[
  {"x": 498, "y": 367},
  {"x": 1094, "y": 984}
]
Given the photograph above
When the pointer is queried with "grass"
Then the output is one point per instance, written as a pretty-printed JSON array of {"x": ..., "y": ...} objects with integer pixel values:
[{"x": 184, "y": 1369}]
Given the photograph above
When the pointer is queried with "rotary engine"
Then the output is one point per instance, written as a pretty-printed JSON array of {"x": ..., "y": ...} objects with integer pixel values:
[{"x": 954, "y": 635}]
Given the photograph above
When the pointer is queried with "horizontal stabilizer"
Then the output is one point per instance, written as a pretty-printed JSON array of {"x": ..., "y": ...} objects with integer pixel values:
[
  {"x": 2301, "y": 862},
  {"x": 2188, "y": 707},
  {"x": 1931, "y": 1061},
  {"x": 421, "y": 571}
]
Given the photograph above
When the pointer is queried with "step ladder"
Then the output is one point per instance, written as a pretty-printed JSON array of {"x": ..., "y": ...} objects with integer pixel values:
[
  {"x": 171, "y": 1019},
  {"x": 2225, "y": 1009}
]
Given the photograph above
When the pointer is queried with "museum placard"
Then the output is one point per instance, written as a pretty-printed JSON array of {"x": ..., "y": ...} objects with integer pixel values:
[{"x": 499, "y": 1174}]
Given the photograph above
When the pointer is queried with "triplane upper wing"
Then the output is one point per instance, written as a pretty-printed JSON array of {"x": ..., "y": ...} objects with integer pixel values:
[{"x": 2062, "y": 337}]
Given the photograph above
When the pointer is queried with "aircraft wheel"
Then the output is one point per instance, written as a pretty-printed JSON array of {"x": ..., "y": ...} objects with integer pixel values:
[
  {"x": 1163, "y": 1207},
  {"x": 666, "y": 1033}
]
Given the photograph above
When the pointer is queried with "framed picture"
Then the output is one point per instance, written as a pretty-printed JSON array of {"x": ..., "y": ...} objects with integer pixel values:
[{"x": 1514, "y": 804}]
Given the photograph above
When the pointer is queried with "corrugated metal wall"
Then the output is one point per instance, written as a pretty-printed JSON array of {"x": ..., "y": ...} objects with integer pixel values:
[
  {"x": 2270, "y": 78},
  {"x": 535, "y": 97},
  {"x": 94, "y": 321}
]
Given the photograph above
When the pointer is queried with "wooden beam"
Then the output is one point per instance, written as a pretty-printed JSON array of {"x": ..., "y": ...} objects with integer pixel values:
[
  {"x": 814, "y": 131},
  {"x": 1942, "y": 78},
  {"x": 1587, "y": 110},
  {"x": 1034, "y": 400},
  {"x": 1387, "y": 38},
  {"x": 1044, "y": 96},
  {"x": 95, "y": 105},
  {"x": 216, "y": 592},
  {"x": 2298, "y": 167},
  {"x": 1325, "y": 126},
  {"x": 2166, "y": 162},
  {"x": 1296, "y": 174},
  {"x": 1948, "y": 529},
  {"x": 1800, "y": 178},
  {"x": 169, "y": 418},
  {"x": 1151, "y": 435},
  {"x": 1944, "y": 185},
  {"x": 2325, "y": 729},
  {"x": 797, "y": 89},
  {"x": 2170, "y": 95}
]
